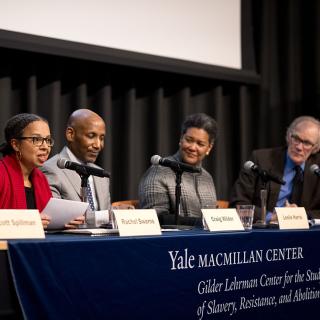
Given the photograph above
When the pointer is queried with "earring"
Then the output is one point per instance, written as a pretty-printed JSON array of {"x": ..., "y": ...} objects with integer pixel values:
[
  {"x": 19, "y": 155},
  {"x": 207, "y": 153}
]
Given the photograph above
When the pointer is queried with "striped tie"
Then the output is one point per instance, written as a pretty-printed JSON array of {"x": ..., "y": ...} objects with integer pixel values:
[{"x": 90, "y": 197}]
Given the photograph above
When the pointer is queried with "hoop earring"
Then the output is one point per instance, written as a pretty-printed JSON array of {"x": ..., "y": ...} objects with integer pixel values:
[{"x": 19, "y": 155}]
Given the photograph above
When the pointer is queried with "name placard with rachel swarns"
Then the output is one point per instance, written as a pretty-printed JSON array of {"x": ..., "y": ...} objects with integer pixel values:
[{"x": 140, "y": 222}]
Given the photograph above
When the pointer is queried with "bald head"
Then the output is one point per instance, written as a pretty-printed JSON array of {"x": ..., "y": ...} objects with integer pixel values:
[
  {"x": 85, "y": 134},
  {"x": 80, "y": 116}
]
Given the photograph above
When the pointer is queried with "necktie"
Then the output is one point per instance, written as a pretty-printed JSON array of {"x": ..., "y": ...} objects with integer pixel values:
[
  {"x": 297, "y": 184},
  {"x": 90, "y": 197}
]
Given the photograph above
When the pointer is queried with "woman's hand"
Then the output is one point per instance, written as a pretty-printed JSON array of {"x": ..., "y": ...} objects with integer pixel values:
[{"x": 45, "y": 219}]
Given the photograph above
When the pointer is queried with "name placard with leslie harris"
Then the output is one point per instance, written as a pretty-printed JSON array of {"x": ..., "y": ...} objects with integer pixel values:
[
  {"x": 137, "y": 222},
  {"x": 292, "y": 218}
]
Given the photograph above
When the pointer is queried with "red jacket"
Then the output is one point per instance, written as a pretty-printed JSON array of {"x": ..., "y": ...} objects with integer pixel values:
[{"x": 12, "y": 193}]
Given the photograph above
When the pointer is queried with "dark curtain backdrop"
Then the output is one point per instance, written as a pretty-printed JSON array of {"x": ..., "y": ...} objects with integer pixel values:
[
  {"x": 287, "y": 37},
  {"x": 143, "y": 109}
]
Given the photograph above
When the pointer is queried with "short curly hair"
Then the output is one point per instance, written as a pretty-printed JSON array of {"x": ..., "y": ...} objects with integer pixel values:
[
  {"x": 14, "y": 129},
  {"x": 201, "y": 121}
]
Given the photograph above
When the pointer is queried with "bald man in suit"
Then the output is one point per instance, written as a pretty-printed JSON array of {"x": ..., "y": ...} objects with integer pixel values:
[{"x": 85, "y": 135}]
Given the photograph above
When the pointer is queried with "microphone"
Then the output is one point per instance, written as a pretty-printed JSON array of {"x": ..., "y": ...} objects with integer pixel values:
[
  {"x": 174, "y": 165},
  {"x": 315, "y": 169},
  {"x": 250, "y": 166},
  {"x": 82, "y": 169}
]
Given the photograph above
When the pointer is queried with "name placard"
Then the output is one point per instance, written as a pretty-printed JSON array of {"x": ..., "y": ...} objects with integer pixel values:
[
  {"x": 292, "y": 218},
  {"x": 20, "y": 224},
  {"x": 139, "y": 222},
  {"x": 222, "y": 219}
]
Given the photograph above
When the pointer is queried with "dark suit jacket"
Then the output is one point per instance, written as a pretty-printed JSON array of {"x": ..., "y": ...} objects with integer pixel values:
[{"x": 246, "y": 189}]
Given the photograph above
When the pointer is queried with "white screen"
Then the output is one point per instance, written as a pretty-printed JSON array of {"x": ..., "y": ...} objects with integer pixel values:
[{"x": 203, "y": 31}]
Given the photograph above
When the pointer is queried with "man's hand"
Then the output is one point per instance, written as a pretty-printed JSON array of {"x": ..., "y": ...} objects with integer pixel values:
[
  {"x": 288, "y": 204},
  {"x": 75, "y": 223},
  {"x": 123, "y": 207}
]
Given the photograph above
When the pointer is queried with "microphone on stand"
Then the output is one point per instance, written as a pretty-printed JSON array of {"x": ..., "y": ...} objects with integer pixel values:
[
  {"x": 315, "y": 169},
  {"x": 174, "y": 165},
  {"x": 178, "y": 168},
  {"x": 82, "y": 169},
  {"x": 265, "y": 175}
]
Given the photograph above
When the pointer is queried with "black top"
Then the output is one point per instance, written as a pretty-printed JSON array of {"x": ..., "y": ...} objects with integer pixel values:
[{"x": 31, "y": 203}]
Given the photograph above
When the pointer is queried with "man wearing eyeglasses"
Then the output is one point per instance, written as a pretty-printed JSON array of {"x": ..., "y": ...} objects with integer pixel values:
[
  {"x": 85, "y": 135},
  {"x": 292, "y": 164}
]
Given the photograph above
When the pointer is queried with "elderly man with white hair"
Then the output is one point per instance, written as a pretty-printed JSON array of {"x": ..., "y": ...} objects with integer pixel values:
[{"x": 291, "y": 163}]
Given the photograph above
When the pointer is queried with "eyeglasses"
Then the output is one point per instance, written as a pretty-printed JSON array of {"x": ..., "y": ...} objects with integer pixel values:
[
  {"x": 38, "y": 141},
  {"x": 296, "y": 140}
]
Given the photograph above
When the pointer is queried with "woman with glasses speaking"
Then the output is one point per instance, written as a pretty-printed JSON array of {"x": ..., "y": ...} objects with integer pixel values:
[{"x": 28, "y": 144}]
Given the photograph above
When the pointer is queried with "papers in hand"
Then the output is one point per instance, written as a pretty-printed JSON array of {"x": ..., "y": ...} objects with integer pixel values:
[{"x": 63, "y": 211}]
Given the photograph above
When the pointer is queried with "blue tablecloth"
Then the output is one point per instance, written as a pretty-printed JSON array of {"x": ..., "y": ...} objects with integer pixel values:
[{"x": 264, "y": 274}]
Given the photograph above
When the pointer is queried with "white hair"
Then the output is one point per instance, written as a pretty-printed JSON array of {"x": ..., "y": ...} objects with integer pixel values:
[{"x": 292, "y": 128}]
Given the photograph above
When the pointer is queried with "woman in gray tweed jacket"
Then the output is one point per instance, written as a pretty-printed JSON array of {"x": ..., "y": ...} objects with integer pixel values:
[{"x": 157, "y": 186}]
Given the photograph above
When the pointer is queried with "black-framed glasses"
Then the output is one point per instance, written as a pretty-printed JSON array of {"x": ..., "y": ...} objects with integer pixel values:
[
  {"x": 296, "y": 140},
  {"x": 38, "y": 141}
]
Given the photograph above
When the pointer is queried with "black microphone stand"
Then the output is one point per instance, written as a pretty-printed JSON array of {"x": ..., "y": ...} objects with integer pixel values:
[
  {"x": 178, "y": 196},
  {"x": 177, "y": 225}
]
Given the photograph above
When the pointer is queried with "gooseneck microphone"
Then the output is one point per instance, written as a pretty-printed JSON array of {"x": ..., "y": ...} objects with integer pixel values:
[
  {"x": 315, "y": 169},
  {"x": 174, "y": 165},
  {"x": 265, "y": 175},
  {"x": 82, "y": 169}
]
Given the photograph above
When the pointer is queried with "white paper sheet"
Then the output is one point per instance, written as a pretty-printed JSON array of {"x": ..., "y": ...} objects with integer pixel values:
[
  {"x": 314, "y": 222},
  {"x": 92, "y": 232},
  {"x": 63, "y": 211}
]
